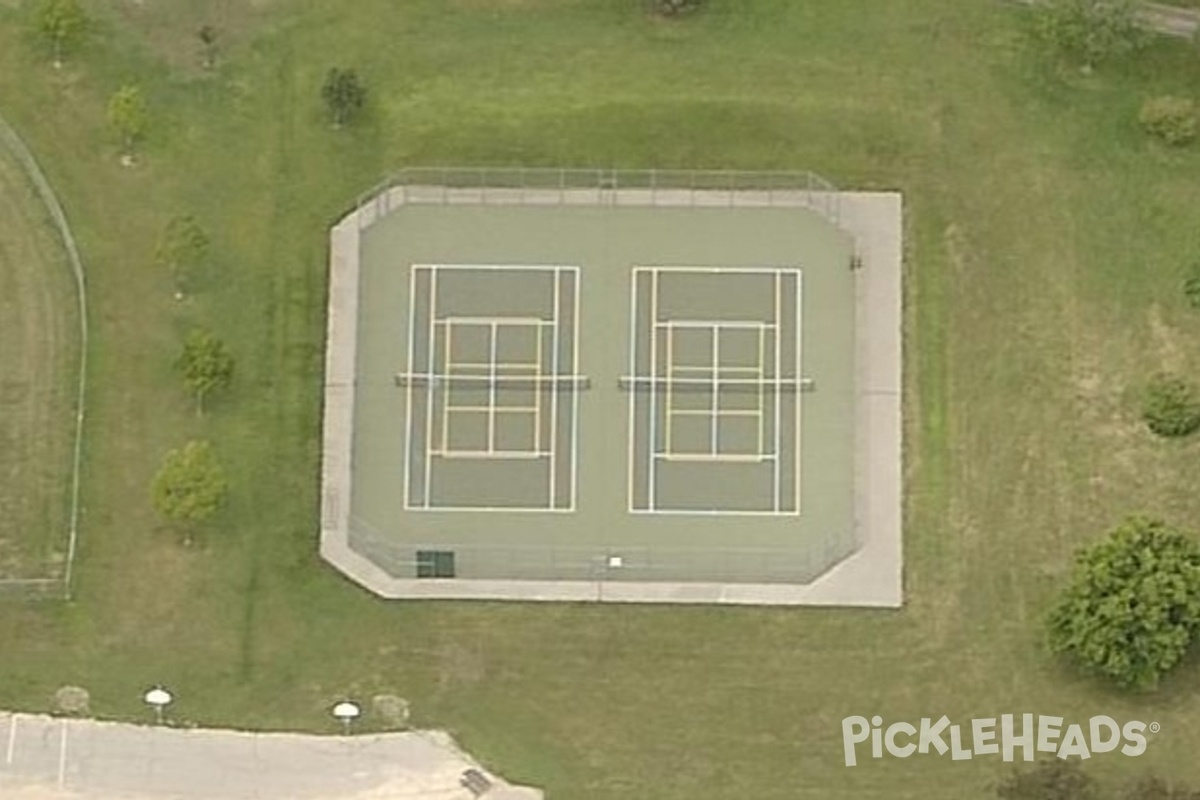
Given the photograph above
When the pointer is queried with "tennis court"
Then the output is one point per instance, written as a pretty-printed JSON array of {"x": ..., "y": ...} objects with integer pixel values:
[
  {"x": 491, "y": 393},
  {"x": 593, "y": 400}
]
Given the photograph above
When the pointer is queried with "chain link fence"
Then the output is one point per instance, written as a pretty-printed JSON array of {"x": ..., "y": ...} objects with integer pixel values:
[
  {"x": 546, "y": 186},
  {"x": 57, "y": 581}
]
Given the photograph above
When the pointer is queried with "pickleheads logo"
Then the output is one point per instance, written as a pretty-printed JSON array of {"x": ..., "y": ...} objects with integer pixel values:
[{"x": 1045, "y": 734}]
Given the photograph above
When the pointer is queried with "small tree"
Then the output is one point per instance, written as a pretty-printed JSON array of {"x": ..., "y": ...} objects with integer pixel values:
[
  {"x": 1132, "y": 604},
  {"x": 127, "y": 116},
  {"x": 208, "y": 36},
  {"x": 206, "y": 364},
  {"x": 1089, "y": 32},
  {"x": 1170, "y": 407},
  {"x": 190, "y": 486},
  {"x": 182, "y": 249},
  {"x": 344, "y": 95},
  {"x": 1172, "y": 119},
  {"x": 61, "y": 23}
]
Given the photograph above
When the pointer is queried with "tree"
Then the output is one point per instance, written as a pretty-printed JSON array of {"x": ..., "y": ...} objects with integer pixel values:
[
  {"x": 182, "y": 249},
  {"x": 1132, "y": 604},
  {"x": 208, "y": 36},
  {"x": 206, "y": 365},
  {"x": 1090, "y": 32},
  {"x": 61, "y": 23},
  {"x": 344, "y": 95},
  {"x": 127, "y": 116},
  {"x": 1052, "y": 779},
  {"x": 190, "y": 486},
  {"x": 1170, "y": 406}
]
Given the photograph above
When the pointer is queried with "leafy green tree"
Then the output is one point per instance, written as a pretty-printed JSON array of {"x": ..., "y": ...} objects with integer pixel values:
[
  {"x": 61, "y": 23},
  {"x": 344, "y": 95},
  {"x": 1052, "y": 779},
  {"x": 127, "y": 116},
  {"x": 1089, "y": 32},
  {"x": 190, "y": 486},
  {"x": 182, "y": 249},
  {"x": 206, "y": 364},
  {"x": 1132, "y": 604}
]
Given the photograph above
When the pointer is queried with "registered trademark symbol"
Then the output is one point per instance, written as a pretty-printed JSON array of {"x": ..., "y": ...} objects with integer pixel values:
[{"x": 1155, "y": 727}]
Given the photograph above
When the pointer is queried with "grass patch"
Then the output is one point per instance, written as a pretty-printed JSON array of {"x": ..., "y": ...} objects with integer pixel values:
[{"x": 1042, "y": 276}]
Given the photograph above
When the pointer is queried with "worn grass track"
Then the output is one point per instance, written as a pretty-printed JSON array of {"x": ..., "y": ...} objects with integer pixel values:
[{"x": 39, "y": 352}]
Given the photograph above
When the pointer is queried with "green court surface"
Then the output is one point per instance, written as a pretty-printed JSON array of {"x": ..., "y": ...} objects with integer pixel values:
[{"x": 574, "y": 393}]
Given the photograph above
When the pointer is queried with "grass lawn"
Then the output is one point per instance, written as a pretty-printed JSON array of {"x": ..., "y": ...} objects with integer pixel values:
[
  {"x": 39, "y": 372},
  {"x": 1045, "y": 251}
]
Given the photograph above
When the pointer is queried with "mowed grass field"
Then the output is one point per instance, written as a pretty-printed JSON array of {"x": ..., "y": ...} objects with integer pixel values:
[
  {"x": 1046, "y": 242},
  {"x": 39, "y": 372}
]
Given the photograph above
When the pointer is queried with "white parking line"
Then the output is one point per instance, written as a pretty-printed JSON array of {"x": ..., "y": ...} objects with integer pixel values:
[
  {"x": 62, "y": 755},
  {"x": 12, "y": 739}
]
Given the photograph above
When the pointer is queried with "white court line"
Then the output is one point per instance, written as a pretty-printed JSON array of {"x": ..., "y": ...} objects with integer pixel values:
[
  {"x": 762, "y": 419},
  {"x": 554, "y": 394},
  {"x": 447, "y": 404},
  {"x": 641, "y": 380},
  {"x": 708, "y": 324},
  {"x": 429, "y": 388},
  {"x": 408, "y": 403},
  {"x": 704, "y": 512},
  {"x": 525, "y": 455},
  {"x": 716, "y": 270},
  {"x": 670, "y": 384},
  {"x": 652, "y": 471},
  {"x": 540, "y": 322},
  {"x": 716, "y": 459},
  {"x": 778, "y": 389},
  {"x": 796, "y": 460},
  {"x": 500, "y": 267},
  {"x": 493, "y": 344},
  {"x": 12, "y": 739},
  {"x": 575, "y": 391},
  {"x": 633, "y": 370},
  {"x": 494, "y": 509},
  {"x": 714, "y": 443},
  {"x": 62, "y": 756}
]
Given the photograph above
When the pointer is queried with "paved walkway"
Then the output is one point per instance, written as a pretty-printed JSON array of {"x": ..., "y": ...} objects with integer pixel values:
[{"x": 45, "y": 758}]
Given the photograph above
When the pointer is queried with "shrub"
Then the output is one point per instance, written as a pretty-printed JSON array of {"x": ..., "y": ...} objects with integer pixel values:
[
  {"x": 674, "y": 8},
  {"x": 1191, "y": 286},
  {"x": 1171, "y": 407},
  {"x": 1172, "y": 119},
  {"x": 1052, "y": 779},
  {"x": 1132, "y": 605}
]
